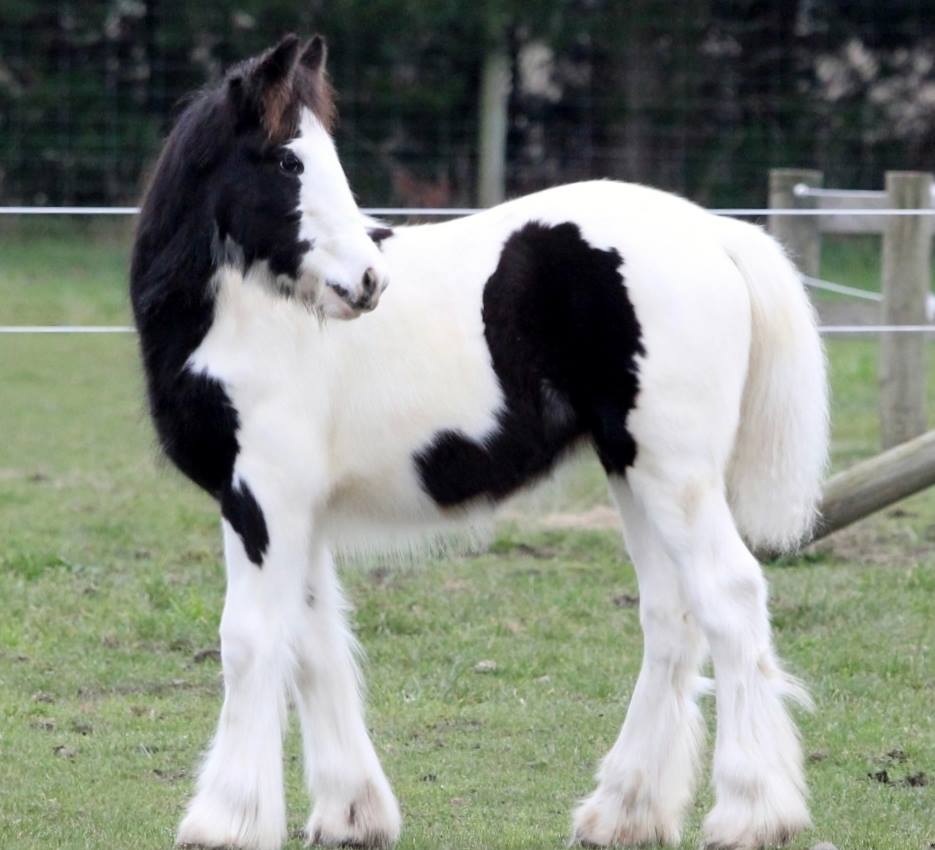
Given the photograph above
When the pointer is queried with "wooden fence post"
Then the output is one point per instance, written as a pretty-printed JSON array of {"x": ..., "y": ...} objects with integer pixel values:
[
  {"x": 799, "y": 234},
  {"x": 906, "y": 276},
  {"x": 492, "y": 126}
]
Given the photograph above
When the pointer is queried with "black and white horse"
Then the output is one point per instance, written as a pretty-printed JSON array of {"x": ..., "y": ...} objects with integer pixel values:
[{"x": 681, "y": 346}]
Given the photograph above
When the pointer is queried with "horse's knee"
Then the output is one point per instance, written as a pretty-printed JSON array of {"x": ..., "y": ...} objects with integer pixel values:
[
  {"x": 244, "y": 644},
  {"x": 237, "y": 652}
]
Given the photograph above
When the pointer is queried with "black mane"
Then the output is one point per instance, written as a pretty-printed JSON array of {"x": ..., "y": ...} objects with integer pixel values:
[
  {"x": 170, "y": 290},
  {"x": 173, "y": 224}
]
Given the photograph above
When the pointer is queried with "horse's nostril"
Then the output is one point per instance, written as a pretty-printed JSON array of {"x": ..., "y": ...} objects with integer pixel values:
[{"x": 370, "y": 281}]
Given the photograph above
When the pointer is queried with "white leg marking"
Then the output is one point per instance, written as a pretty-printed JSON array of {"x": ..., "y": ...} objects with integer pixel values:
[
  {"x": 239, "y": 800},
  {"x": 354, "y": 804},
  {"x": 758, "y": 774},
  {"x": 647, "y": 779}
]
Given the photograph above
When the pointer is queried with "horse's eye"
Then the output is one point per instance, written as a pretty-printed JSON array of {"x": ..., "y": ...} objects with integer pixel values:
[{"x": 291, "y": 164}]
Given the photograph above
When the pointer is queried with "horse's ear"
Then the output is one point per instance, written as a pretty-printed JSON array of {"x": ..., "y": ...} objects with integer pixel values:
[
  {"x": 272, "y": 80},
  {"x": 315, "y": 54},
  {"x": 312, "y": 80},
  {"x": 275, "y": 66}
]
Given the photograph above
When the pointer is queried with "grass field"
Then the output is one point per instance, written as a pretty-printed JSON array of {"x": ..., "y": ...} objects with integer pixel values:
[{"x": 111, "y": 589}]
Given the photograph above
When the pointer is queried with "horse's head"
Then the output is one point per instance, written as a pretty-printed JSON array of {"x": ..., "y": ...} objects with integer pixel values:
[
  {"x": 283, "y": 196},
  {"x": 255, "y": 155}
]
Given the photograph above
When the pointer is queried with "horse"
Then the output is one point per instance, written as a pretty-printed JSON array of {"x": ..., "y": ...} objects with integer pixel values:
[{"x": 324, "y": 411}]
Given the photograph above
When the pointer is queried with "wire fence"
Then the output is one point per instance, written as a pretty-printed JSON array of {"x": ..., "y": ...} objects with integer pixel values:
[
  {"x": 831, "y": 330},
  {"x": 698, "y": 98},
  {"x": 455, "y": 212},
  {"x": 855, "y": 356}
]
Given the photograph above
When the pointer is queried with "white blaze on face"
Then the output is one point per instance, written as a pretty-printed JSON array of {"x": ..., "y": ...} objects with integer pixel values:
[{"x": 344, "y": 271}]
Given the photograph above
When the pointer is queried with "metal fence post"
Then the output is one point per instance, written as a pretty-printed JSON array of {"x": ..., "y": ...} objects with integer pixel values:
[
  {"x": 799, "y": 234},
  {"x": 906, "y": 281}
]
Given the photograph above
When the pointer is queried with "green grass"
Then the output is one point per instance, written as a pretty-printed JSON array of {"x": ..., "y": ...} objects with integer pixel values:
[
  {"x": 852, "y": 260},
  {"x": 55, "y": 271},
  {"x": 855, "y": 261},
  {"x": 111, "y": 587}
]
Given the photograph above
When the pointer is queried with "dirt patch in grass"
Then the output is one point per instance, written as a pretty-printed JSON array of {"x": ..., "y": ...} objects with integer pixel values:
[
  {"x": 598, "y": 517},
  {"x": 878, "y": 541},
  {"x": 885, "y": 540}
]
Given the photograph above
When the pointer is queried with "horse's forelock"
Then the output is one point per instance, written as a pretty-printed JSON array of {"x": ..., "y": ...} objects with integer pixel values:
[
  {"x": 281, "y": 105},
  {"x": 275, "y": 96}
]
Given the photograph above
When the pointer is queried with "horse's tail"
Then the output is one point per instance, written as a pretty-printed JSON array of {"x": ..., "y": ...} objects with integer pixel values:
[{"x": 781, "y": 450}]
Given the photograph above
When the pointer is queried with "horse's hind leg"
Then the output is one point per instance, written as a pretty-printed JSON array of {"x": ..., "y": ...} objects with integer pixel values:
[
  {"x": 647, "y": 779},
  {"x": 758, "y": 775}
]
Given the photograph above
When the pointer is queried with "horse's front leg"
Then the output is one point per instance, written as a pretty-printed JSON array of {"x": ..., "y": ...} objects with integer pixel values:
[
  {"x": 239, "y": 800},
  {"x": 354, "y": 805}
]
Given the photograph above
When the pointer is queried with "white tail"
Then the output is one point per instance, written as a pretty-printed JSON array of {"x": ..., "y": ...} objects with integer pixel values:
[{"x": 781, "y": 450}]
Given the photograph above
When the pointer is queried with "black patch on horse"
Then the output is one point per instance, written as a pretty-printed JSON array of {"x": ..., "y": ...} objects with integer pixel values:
[
  {"x": 241, "y": 509},
  {"x": 563, "y": 338},
  {"x": 378, "y": 234}
]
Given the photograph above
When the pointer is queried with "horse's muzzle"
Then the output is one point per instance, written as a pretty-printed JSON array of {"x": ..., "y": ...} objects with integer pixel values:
[{"x": 350, "y": 303}]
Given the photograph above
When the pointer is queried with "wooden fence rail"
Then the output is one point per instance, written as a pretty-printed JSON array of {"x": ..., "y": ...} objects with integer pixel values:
[{"x": 876, "y": 483}]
